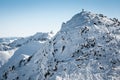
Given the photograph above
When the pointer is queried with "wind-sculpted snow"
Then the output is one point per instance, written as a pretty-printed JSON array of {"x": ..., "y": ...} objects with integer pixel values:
[
  {"x": 86, "y": 48},
  {"x": 9, "y": 45},
  {"x": 37, "y": 37}
]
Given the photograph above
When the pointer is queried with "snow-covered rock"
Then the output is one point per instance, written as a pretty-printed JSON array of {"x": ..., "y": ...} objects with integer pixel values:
[
  {"x": 4, "y": 43},
  {"x": 86, "y": 48},
  {"x": 37, "y": 37},
  {"x": 9, "y": 45}
]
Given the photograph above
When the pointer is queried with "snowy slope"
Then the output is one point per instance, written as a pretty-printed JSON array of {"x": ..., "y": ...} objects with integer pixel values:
[
  {"x": 86, "y": 48},
  {"x": 5, "y": 50},
  {"x": 5, "y": 55},
  {"x": 9, "y": 45},
  {"x": 4, "y": 43},
  {"x": 7, "y": 40},
  {"x": 37, "y": 37}
]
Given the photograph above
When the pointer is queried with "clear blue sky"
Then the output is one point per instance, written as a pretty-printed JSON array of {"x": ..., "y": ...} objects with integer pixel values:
[{"x": 26, "y": 17}]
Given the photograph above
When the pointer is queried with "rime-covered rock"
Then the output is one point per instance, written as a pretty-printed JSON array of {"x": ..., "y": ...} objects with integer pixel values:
[{"x": 86, "y": 48}]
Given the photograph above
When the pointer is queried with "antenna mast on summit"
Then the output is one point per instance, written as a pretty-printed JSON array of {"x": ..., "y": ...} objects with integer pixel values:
[{"x": 83, "y": 10}]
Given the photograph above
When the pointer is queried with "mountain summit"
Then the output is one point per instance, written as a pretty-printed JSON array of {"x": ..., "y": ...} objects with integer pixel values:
[
  {"x": 88, "y": 18},
  {"x": 86, "y": 48}
]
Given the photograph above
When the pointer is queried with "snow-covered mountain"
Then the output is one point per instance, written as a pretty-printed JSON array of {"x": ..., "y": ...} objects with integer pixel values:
[
  {"x": 7, "y": 40},
  {"x": 9, "y": 45},
  {"x": 86, "y": 48},
  {"x": 37, "y": 37},
  {"x": 5, "y": 52},
  {"x": 5, "y": 55},
  {"x": 4, "y": 43}
]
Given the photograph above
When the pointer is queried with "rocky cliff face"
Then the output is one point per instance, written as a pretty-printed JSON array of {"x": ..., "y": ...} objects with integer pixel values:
[{"x": 86, "y": 48}]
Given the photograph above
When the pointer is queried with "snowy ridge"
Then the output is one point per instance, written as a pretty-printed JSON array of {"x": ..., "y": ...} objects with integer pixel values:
[
  {"x": 88, "y": 18},
  {"x": 9, "y": 45},
  {"x": 37, "y": 37},
  {"x": 5, "y": 50},
  {"x": 4, "y": 43},
  {"x": 86, "y": 48},
  {"x": 7, "y": 40}
]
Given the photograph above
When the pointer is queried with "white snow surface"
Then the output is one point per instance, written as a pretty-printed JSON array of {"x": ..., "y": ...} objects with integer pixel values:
[
  {"x": 7, "y": 40},
  {"x": 5, "y": 55},
  {"x": 9, "y": 45},
  {"x": 86, "y": 48},
  {"x": 5, "y": 50},
  {"x": 37, "y": 37}
]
